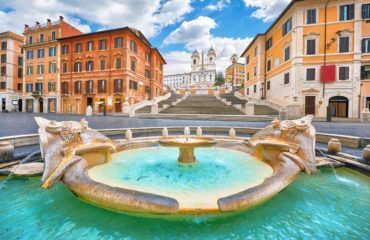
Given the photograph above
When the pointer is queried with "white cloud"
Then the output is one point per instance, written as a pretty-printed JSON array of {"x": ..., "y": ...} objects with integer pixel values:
[
  {"x": 219, "y": 5},
  {"x": 150, "y": 16},
  {"x": 196, "y": 34},
  {"x": 267, "y": 10}
]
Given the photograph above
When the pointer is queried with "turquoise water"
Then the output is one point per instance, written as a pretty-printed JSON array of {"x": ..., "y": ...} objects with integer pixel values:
[
  {"x": 321, "y": 206},
  {"x": 219, "y": 172}
]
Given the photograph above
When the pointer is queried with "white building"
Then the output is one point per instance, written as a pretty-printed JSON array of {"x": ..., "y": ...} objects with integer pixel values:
[{"x": 203, "y": 71}]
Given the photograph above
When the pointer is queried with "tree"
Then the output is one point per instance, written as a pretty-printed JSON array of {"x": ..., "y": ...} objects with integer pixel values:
[{"x": 220, "y": 80}]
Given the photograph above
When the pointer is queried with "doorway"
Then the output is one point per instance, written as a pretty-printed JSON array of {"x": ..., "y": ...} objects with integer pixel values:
[
  {"x": 3, "y": 104},
  {"x": 310, "y": 105},
  {"x": 89, "y": 101},
  {"x": 52, "y": 105},
  {"x": 339, "y": 106},
  {"x": 29, "y": 105},
  {"x": 118, "y": 105},
  {"x": 20, "y": 105},
  {"x": 367, "y": 102},
  {"x": 41, "y": 105}
]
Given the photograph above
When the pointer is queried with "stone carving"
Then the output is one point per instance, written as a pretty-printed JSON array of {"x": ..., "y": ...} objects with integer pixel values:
[{"x": 70, "y": 131}]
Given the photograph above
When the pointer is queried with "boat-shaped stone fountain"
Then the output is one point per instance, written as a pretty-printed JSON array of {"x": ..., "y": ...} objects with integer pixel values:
[{"x": 176, "y": 175}]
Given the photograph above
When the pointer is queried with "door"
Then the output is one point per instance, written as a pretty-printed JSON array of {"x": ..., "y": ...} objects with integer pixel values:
[
  {"x": 29, "y": 105},
  {"x": 3, "y": 101},
  {"x": 310, "y": 105},
  {"x": 118, "y": 105},
  {"x": 89, "y": 101},
  {"x": 367, "y": 103},
  {"x": 339, "y": 106},
  {"x": 41, "y": 105},
  {"x": 20, "y": 105}
]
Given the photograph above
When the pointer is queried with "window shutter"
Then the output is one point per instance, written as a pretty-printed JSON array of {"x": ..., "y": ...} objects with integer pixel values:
[{"x": 351, "y": 11}]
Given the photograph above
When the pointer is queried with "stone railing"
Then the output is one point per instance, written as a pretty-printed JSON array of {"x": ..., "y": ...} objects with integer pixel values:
[{"x": 134, "y": 107}]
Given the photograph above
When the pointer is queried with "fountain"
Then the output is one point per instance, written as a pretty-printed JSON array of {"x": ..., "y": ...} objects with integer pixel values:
[{"x": 136, "y": 176}]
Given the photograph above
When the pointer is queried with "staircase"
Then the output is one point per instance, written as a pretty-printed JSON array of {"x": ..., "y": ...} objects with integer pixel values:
[
  {"x": 202, "y": 104},
  {"x": 168, "y": 101}
]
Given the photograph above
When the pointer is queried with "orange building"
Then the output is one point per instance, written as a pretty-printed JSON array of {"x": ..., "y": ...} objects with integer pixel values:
[
  {"x": 315, "y": 54},
  {"x": 41, "y": 91},
  {"x": 105, "y": 68},
  {"x": 11, "y": 72},
  {"x": 235, "y": 73}
]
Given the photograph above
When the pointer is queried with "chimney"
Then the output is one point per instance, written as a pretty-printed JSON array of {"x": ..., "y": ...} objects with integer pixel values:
[
  {"x": 37, "y": 25},
  {"x": 61, "y": 18},
  {"x": 25, "y": 27},
  {"x": 48, "y": 22}
]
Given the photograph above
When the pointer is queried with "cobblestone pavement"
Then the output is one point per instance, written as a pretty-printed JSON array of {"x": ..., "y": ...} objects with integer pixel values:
[{"x": 23, "y": 123}]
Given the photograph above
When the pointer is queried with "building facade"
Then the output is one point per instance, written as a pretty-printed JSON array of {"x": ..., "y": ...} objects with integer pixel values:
[
  {"x": 103, "y": 69},
  {"x": 203, "y": 71},
  {"x": 11, "y": 72},
  {"x": 316, "y": 53},
  {"x": 235, "y": 73},
  {"x": 41, "y": 78}
]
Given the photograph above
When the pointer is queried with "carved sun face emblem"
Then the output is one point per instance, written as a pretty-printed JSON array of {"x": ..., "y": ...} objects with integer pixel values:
[
  {"x": 70, "y": 131},
  {"x": 288, "y": 129}
]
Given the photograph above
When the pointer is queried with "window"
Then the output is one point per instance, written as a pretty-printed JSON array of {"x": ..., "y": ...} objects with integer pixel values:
[
  {"x": 52, "y": 51},
  {"x": 287, "y": 26},
  {"x": 286, "y": 78},
  {"x": 269, "y": 43},
  {"x": 247, "y": 91},
  {"x": 268, "y": 85},
  {"x": 29, "y": 70},
  {"x": 254, "y": 88},
  {"x": 147, "y": 56},
  {"x": 29, "y": 54},
  {"x": 366, "y": 45},
  {"x": 247, "y": 60},
  {"x": 20, "y": 61},
  {"x": 102, "y": 86},
  {"x": 20, "y": 72},
  {"x": 64, "y": 87},
  {"x": 343, "y": 73},
  {"x": 365, "y": 72},
  {"x": 52, "y": 67},
  {"x": 102, "y": 64},
  {"x": 4, "y": 46},
  {"x": 286, "y": 54},
  {"x": 40, "y": 53},
  {"x": 147, "y": 89},
  {"x": 38, "y": 87},
  {"x": 311, "y": 46},
  {"x": 90, "y": 86},
  {"x": 51, "y": 86},
  {"x": 255, "y": 71},
  {"x": 65, "y": 67},
  {"x": 40, "y": 69},
  {"x": 133, "y": 65},
  {"x": 133, "y": 85},
  {"x": 268, "y": 65},
  {"x": 310, "y": 74},
  {"x": 311, "y": 16},
  {"x": 30, "y": 39},
  {"x": 102, "y": 44},
  {"x": 2, "y": 85},
  {"x": 90, "y": 46},
  {"x": 3, "y": 58},
  {"x": 343, "y": 44},
  {"x": 65, "y": 49},
  {"x": 19, "y": 86},
  {"x": 147, "y": 73},
  {"x": 255, "y": 51},
  {"x": 78, "y": 67},
  {"x": 3, "y": 71},
  {"x": 133, "y": 46},
  {"x": 29, "y": 87},
  {"x": 78, "y": 87},
  {"x": 118, "y": 63},
  {"x": 89, "y": 66},
  {"x": 78, "y": 47},
  {"x": 118, "y": 85},
  {"x": 118, "y": 42},
  {"x": 247, "y": 76},
  {"x": 53, "y": 35},
  {"x": 346, "y": 12},
  {"x": 41, "y": 37},
  {"x": 366, "y": 11}
]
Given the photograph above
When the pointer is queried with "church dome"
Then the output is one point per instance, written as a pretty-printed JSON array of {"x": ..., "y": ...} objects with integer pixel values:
[{"x": 195, "y": 52}]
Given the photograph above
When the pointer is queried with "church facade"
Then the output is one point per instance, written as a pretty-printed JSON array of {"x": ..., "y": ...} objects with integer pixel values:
[{"x": 203, "y": 71}]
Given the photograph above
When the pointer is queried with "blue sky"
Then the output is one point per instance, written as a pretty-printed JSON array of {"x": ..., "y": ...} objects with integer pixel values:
[{"x": 175, "y": 27}]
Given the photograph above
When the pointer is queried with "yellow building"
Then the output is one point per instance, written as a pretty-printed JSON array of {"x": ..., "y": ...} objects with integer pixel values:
[
  {"x": 316, "y": 53},
  {"x": 235, "y": 73}
]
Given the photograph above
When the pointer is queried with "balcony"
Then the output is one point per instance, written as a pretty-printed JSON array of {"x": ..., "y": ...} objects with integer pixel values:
[{"x": 37, "y": 94}]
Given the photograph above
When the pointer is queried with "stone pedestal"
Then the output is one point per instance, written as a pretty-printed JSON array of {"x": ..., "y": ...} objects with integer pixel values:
[
  {"x": 232, "y": 133},
  {"x": 6, "y": 152},
  {"x": 365, "y": 115},
  {"x": 283, "y": 114},
  {"x": 89, "y": 111},
  {"x": 128, "y": 135},
  {"x": 334, "y": 146},
  {"x": 154, "y": 108},
  {"x": 366, "y": 154},
  {"x": 249, "y": 108},
  {"x": 294, "y": 110},
  {"x": 199, "y": 132},
  {"x": 126, "y": 107},
  {"x": 131, "y": 112}
]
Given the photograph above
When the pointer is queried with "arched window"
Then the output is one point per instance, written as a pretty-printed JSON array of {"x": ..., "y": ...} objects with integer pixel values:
[{"x": 194, "y": 61}]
